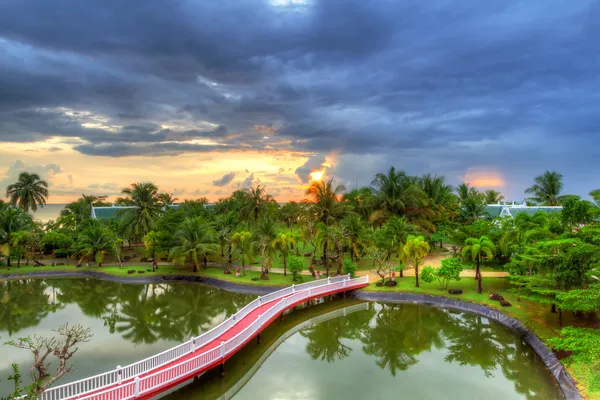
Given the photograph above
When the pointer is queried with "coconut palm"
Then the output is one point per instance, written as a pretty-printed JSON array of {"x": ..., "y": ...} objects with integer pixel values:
[
  {"x": 465, "y": 192},
  {"x": 266, "y": 232},
  {"x": 195, "y": 240},
  {"x": 476, "y": 249},
  {"x": 141, "y": 219},
  {"x": 415, "y": 249},
  {"x": 255, "y": 202},
  {"x": 166, "y": 199},
  {"x": 472, "y": 208},
  {"x": 29, "y": 192},
  {"x": 325, "y": 203},
  {"x": 94, "y": 242},
  {"x": 398, "y": 229},
  {"x": 243, "y": 242},
  {"x": 355, "y": 230},
  {"x": 282, "y": 244},
  {"x": 437, "y": 190},
  {"x": 493, "y": 197},
  {"x": 547, "y": 188},
  {"x": 12, "y": 220}
]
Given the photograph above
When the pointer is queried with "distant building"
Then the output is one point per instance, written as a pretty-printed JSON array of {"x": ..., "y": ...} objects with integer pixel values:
[
  {"x": 106, "y": 213},
  {"x": 512, "y": 209}
]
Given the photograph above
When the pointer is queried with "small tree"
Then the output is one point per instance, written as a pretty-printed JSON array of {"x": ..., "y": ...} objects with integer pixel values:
[
  {"x": 447, "y": 272},
  {"x": 476, "y": 249},
  {"x": 349, "y": 267},
  {"x": 416, "y": 248},
  {"x": 44, "y": 347},
  {"x": 296, "y": 265},
  {"x": 243, "y": 241}
]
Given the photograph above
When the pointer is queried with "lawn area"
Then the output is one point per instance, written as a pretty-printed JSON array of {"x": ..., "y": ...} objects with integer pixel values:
[{"x": 275, "y": 279}]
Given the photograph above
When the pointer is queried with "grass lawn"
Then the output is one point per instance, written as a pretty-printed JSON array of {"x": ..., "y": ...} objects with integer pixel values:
[{"x": 275, "y": 279}]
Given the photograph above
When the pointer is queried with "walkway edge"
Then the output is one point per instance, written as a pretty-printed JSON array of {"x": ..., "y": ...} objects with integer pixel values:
[{"x": 564, "y": 379}]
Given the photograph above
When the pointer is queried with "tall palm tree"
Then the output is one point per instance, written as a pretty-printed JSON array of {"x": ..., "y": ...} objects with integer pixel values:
[
  {"x": 195, "y": 239},
  {"x": 493, "y": 197},
  {"x": 325, "y": 202},
  {"x": 476, "y": 249},
  {"x": 398, "y": 229},
  {"x": 166, "y": 199},
  {"x": 265, "y": 233},
  {"x": 255, "y": 202},
  {"x": 472, "y": 208},
  {"x": 141, "y": 219},
  {"x": 29, "y": 192},
  {"x": 243, "y": 241},
  {"x": 282, "y": 243},
  {"x": 355, "y": 230},
  {"x": 94, "y": 242},
  {"x": 465, "y": 192},
  {"x": 546, "y": 189},
  {"x": 416, "y": 248},
  {"x": 12, "y": 220},
  {"x": 437, "y": 190}
]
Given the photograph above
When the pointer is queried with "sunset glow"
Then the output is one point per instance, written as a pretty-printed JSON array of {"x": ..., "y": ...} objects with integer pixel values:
[{"x": 317, "y": 175}]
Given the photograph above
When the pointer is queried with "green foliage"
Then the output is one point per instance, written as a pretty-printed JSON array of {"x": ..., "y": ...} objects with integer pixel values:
[
  {"x": 586, "y": 300},
  {"x": 19, "y": 392},
  {"x": 576, "y": 211},
  {"x": 448, "y": 271},
  {"x": 296, "y": 266},
  {"x": 584, "y": 343},
  {"x": 349, "y": 267}
]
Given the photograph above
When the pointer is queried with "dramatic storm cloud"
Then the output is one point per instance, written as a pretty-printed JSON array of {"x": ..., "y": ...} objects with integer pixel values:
[{"x": 184, "y": 92}]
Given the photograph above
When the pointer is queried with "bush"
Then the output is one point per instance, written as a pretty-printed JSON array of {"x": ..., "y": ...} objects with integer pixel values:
[
  {"x": 447, "y": 272},
  {"x": 349, "y": 267},
  {"x": 296, "y": 266}
]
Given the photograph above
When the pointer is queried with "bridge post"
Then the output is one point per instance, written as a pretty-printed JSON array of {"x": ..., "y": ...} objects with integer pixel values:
[
  {"x": 136, "y": 388},
  {"x": 193, "y": 344},
  {"x": 222, "y": 349},
  {"x": 258, "y": 338},
  {"x": 328, "y": 280},
  {"x": 222, "y": 369},
  {"x": 119, "y": 373},
  {"x": 259, "y": 301},
  {"x": 293, "y": 288}
]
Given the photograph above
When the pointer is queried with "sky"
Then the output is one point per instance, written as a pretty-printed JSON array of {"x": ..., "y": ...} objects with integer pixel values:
[{"x": 206, "y": 97}]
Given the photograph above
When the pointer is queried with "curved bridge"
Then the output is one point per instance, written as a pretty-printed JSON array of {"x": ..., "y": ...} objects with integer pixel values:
[{"x": 156, "y": 374}]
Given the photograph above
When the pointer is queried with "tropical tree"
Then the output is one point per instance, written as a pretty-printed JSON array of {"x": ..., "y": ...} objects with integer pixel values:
[
  {"x": 266, "y": 232},
  {"x": 282, "y": 243},
  {"x": 166, "y": 199},
  {"x": 243, "y": 242},
  {"x": 465, "y": 192},
  {"x": 355, "y": 230},
  {"x": 476, "y": 249},
  {"x": 29, "y": 192},
  {"x": 12, "y": 220},
  {"x": 195, "y": 239},
  {"x": 415, "y": 249},
  {"x": 547, "y": 188},
  {"x": 398, "y": 229},
  {"x": 54, "y": 238},
  {"x": 141, "y": 219},
  {"x": 255, "y": 202},
  {"x": 94, "y": 242},
  {"x": 493, "y": 197}
]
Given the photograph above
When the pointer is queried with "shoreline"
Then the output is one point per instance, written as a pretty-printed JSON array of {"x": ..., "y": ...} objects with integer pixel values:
[{"x": 556, "y": 368}]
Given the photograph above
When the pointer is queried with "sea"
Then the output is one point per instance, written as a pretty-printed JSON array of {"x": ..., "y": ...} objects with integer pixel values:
[{"x": 48, "y": 212}]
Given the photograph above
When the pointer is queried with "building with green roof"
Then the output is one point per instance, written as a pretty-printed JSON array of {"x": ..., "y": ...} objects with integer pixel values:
[{"x": 511, "y": 210}]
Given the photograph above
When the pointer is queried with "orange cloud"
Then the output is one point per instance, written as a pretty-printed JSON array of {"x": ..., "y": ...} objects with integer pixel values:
[{"x": 484, "y": 177}]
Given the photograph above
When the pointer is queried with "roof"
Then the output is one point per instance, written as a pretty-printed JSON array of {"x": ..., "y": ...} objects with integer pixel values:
[
  {"x": 106, "y": 213},
  {"x": 505, "y": 210}
]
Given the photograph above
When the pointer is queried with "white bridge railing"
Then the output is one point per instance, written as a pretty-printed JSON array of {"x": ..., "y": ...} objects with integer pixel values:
[{"x": 120, "y": 385}]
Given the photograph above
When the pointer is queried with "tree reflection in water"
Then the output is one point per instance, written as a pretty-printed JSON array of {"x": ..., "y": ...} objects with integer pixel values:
[{"x": 139, "y": 313}]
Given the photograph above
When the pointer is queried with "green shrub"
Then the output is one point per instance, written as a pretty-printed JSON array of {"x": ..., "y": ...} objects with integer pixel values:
[
  {"x": 447, "y": 272},
  {"x": 349, "y": 267},
  {"x": 296, "y": 266}
]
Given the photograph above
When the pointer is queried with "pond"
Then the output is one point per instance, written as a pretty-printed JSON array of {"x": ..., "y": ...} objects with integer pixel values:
[{"x": 337, "y": 349}]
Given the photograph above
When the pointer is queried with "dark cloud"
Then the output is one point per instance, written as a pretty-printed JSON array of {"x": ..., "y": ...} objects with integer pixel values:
[
  {"x": 224, "y": 180},
  {"x": 428, "y": 86},
  {"x": 314, "y": 163}
]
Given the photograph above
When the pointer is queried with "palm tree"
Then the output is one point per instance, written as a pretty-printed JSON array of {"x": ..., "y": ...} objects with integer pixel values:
[
  {"x": 493, "y": 197},
  {"x": 398, "y": 229},
  {"x": 166, "y": 199},
  {"x": 596, "y": 196},
  {"x": 29, "y": 192},
  {"x": 355, "y": 230},
  {"x": 472, "y": 208},
  {"x": 12, "y": 220},
  {"x": 476, "y": 249},
  {"x": 140, "y": 220},
  {"x": 326, "y": 200},
  {"x": 195, "y": 239},
  {"x": 282, "y": 243},
  {"x": 266, "y": 232},
  {"x": 94, "y": 242},
  {"x": 547, "y": 188},
  {"x": 465, "y": 192},
  {"x": 416, "y": 248},
  {"x": 243, "y": 241},
  {"x": 255, "y": 202}
]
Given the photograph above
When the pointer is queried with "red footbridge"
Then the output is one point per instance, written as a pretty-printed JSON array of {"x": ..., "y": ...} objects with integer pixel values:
[{"x": 161, "y": 372}]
